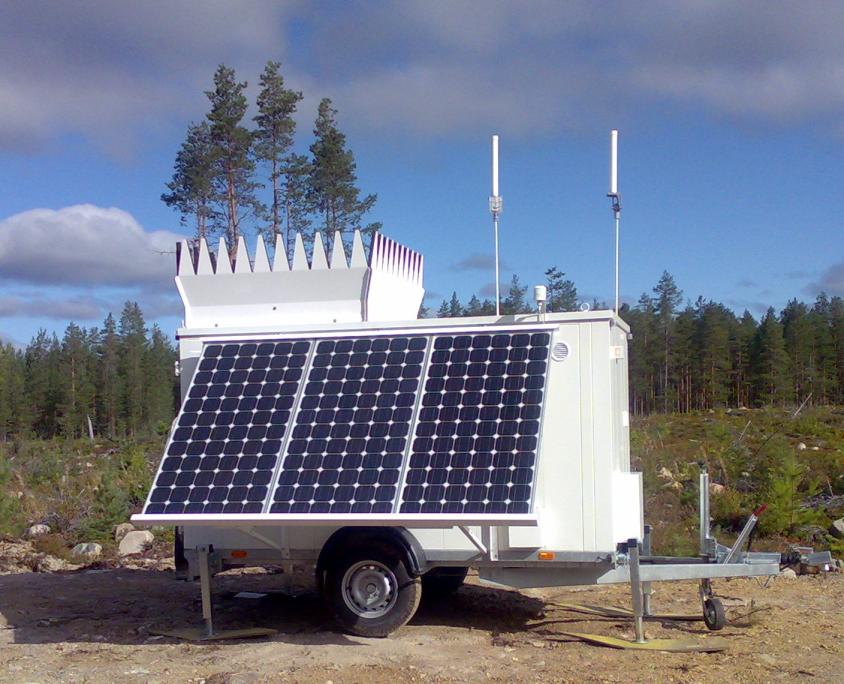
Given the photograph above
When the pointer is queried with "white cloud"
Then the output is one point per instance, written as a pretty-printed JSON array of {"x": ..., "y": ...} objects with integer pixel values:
[
  {"x": 443, "y": 66},
  {"x": 85, "y": 246},
  {"x": 97, "y": 68},
  {"x": 111, "y": 71},
  {"x": 77, "y": 308}
]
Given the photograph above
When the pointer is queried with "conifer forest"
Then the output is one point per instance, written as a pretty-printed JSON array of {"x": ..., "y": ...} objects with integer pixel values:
[{"x": 118, "y": 380}]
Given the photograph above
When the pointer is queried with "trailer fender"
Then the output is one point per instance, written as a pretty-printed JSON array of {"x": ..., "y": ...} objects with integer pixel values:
[{"x": 412, "y": 552}]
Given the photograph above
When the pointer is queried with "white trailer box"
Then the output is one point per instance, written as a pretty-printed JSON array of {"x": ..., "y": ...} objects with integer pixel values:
[{"x": 322, "y": 422}]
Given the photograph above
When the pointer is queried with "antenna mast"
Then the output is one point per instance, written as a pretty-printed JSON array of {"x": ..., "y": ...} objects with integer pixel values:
[
  {"x": 614, "y": 195},
  {"x": 496, "y": 204}
]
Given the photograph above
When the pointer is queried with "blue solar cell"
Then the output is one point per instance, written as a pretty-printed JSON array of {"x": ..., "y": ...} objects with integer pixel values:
[
  {"x": 348, "y": 425},
  {"x": 476, "y": 390},
  {"x": 247, "y": 426}
]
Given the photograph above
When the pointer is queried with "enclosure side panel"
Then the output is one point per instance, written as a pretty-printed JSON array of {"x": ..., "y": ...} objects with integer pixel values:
[
  {"x": 620, "y": 400},
  {"x": 451, "y": 539},
  {"x": 603, "y": 413},
  {"x": 301, "y": 538},
  {"x": 589, "y": 434},
  {"x": 311, "y": 539},
  {"x": 627, "y": 515},
  {"x": 559, "y": 496}
]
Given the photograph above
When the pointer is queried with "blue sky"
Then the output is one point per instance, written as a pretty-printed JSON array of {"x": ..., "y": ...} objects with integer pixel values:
[{"x": 730, "y": 120}]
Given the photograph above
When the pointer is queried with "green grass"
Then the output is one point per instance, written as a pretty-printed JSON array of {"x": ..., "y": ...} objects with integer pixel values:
[
  {"x": 83, "y": 490},
  {"x": 763, "y": 456}
]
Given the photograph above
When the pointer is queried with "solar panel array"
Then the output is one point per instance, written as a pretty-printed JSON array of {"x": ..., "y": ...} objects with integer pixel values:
[{"x": 427, "y": 423}]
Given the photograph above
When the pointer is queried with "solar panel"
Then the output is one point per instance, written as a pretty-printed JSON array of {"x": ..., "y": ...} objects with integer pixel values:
[
  {"x": 222, "y": 455},
  {"x": 476, "y": 438},
  {"x": 387, "y": 424},
  {"x": 346, "y": 450}
]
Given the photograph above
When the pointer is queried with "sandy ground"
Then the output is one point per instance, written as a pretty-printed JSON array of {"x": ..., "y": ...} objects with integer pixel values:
[{"x": 96, "y": 626}]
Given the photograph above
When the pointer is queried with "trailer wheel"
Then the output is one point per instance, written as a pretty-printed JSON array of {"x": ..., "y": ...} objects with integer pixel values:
[
  {"x": 714, "y": 615},
  {"x": 440, "y": 582},
  {"x": 370, "y": 592}
]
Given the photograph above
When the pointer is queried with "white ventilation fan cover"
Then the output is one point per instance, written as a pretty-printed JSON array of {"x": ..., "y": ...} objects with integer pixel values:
[{"x": 559, "y": 351}]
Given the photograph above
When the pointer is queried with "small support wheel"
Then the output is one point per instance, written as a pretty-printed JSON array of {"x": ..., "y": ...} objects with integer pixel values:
[
  {"x": 370, "y": 592},
  {"x": 714, "y": 615}
]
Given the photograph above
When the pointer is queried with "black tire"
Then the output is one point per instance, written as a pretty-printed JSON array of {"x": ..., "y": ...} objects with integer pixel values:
[
  {"x": 370, "y": 592},
  {"x": 440, "y": 582},
  {"x": 714, "y": 615}
]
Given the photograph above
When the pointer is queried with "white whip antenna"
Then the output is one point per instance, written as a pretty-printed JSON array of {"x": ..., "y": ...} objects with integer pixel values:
[
  {"x": 614, "y": 195},
  {"x": 496, "y": 204}
]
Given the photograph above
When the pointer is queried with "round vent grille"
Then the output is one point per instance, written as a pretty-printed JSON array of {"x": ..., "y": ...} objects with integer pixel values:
[{"x": 560, "y": 351}]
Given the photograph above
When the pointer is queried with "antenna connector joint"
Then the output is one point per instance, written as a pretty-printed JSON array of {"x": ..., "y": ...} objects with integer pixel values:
[{"x": 616, "y": 203}]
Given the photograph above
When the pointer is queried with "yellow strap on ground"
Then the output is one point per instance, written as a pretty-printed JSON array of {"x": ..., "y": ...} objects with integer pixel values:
[
  {"x": 710, "y": 645},
  {"x": 613, "y": 611},
  {"x": 202, "y": 635}
]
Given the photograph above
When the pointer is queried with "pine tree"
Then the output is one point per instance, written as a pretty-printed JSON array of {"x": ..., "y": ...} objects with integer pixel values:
[
  {"x": 132, "y": 338},
  {"x": 42, "y": 383},
  {"x": 451, "y": 309},
  {"x": 76, "y": 382},
  {"x": 276, "y": 127},
  {"x": 741, "y": 353},
  {"x": 668, "y": 298},
  {"x": 477, "y": 307},
  {"x": 332, "y": 190},
  {"x": 191, "y": 191},
  {"x": 296, "y": 170},
  {"x": 836, "y": 323},
  {"x": 562, "y": 294},
  {"x": 772, "y": 383},
  {"x": 820, "y": 339},
  {"x": 798, "y": 336},
  {"x": 13, "y": 416},
  {"x": 714, "y": 323},
  {"x": 232, "y": 157},
  {"x": 108, "y": 377},
  {"x": 160, "y": 380},
  {"x": 516, "y": 300},
  {"x": 644, "y": 355},
  {"x": 686, "y": 361}
]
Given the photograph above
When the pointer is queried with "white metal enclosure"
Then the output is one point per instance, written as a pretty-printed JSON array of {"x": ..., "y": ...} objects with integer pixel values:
[{"x": 584, "y": 497}]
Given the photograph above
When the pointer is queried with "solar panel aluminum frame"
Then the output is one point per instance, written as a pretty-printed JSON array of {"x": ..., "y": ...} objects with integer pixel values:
[{"x": 438, "y": 519}]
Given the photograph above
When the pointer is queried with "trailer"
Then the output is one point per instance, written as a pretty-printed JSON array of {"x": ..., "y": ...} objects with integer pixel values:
[{"x": 322, "y": 422}]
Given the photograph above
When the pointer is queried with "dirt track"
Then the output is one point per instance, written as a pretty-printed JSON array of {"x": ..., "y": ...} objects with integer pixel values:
[{"x": 95, "y": 627}]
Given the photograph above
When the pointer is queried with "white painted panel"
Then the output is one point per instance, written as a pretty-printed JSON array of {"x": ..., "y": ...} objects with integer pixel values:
[
  {"x": 559, "y": 494},
  {"x": 627, "y": 507},
  {"x": 587, "y": 431}
]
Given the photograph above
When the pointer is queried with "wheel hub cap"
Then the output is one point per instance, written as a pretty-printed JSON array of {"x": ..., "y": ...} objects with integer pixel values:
[{"x": 369, "y": 589}]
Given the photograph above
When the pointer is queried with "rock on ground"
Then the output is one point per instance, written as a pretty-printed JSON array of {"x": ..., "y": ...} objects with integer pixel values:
[
  {"x": 135, "y": 542},
  {"x": 89, "y": 550},
  {"x": 122, "y": 530}
]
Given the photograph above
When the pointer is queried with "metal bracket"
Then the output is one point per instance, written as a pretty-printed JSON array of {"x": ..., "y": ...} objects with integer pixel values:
[
  {"x": 477, "y": 543},
  {"x": 252, "y": 532},
  {"x": 636, "y": 590},
  {"x": 204, "y": 554}
]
